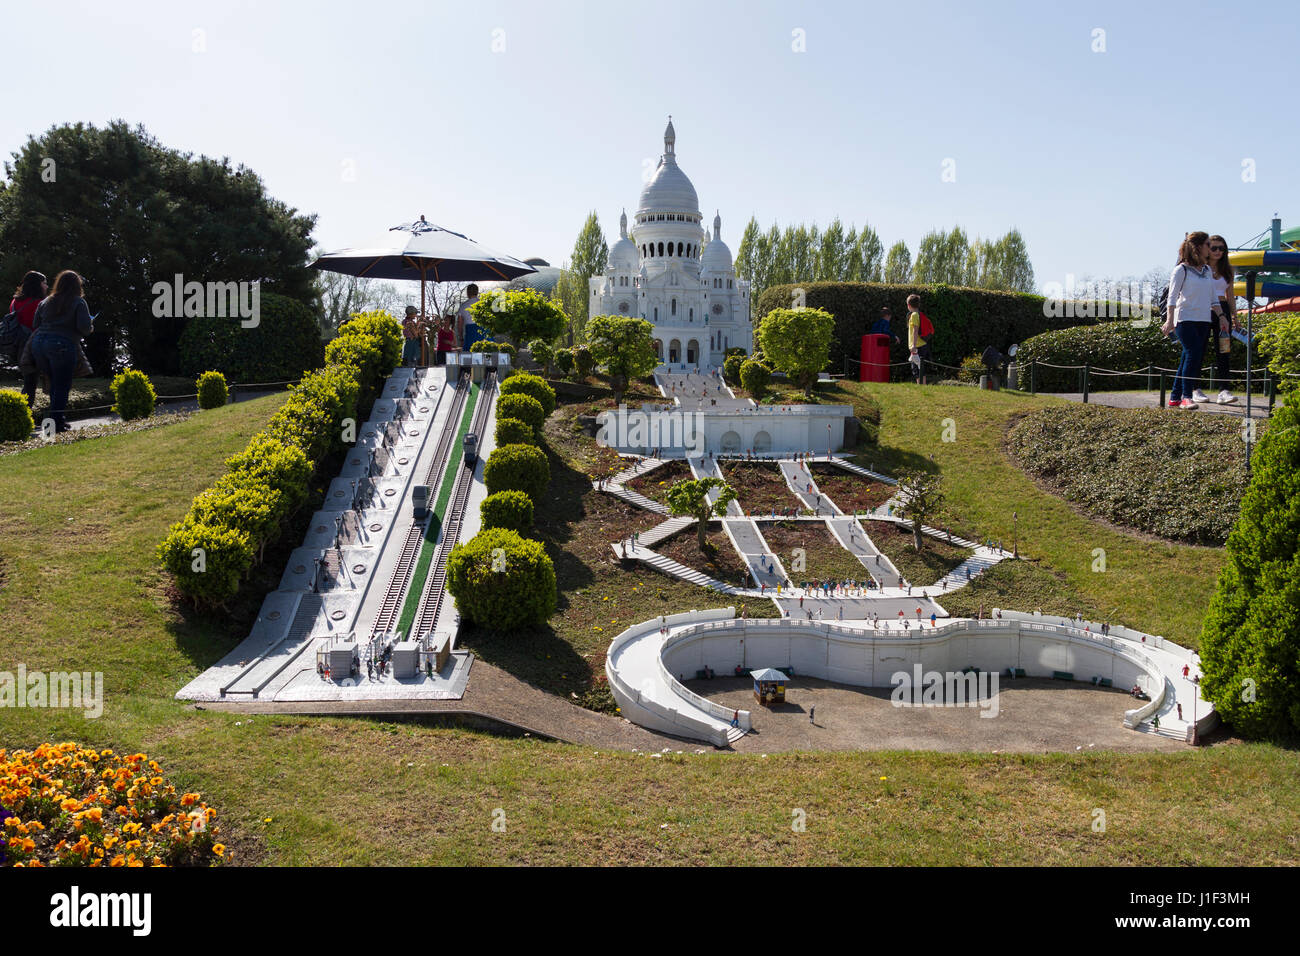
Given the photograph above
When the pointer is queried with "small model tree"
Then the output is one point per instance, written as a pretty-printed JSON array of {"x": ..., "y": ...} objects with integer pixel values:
[
  {"x": 754, "y": 378},
  {"x": 797, "y": 342},
  {"x": 922, "y": 499},
  {"x": 521, "y": 314},
  {"x": 502, "y": 581},
  {"x": 624, "y": 346},
  {"x": 1250, "y": 642},
  {"x": 690, "y": 499}
]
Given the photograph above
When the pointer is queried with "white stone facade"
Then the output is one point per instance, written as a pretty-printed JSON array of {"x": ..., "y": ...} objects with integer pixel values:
[{"x": 675, "y": 274}]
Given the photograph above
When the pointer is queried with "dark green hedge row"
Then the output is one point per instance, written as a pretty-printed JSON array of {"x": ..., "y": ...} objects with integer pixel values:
[
  {"x": 965, "y": 320},
  {"x": 285, "y": 342},
  {"x": 213, "y": 548},
  {"x": 1115, "y": 346}
]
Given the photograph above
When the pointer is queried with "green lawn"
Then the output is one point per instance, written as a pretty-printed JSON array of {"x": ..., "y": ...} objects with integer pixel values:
[{"x": 79, "y": 588}]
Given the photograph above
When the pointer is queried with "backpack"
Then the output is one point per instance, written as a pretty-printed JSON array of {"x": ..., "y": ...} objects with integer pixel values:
[
  {"x": 13, "y": 335},
  {"x": 927, "y": 329}
]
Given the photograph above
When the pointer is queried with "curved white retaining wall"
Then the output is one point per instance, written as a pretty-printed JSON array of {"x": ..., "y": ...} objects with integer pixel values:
[{"x": 860, "y": 656}]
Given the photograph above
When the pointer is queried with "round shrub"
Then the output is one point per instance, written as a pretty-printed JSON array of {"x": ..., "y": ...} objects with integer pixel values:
[
  {"x": 523, "y": 407},
  {"x": 972, "y": 367},
  {"x": 212, "y": 390},
  {"x": 754, "y": 378},
  {"x": 564, "y": 361},
  {"x": 583, "y": 361},
  {"x": 487, "y": 345},
  {"x": 517, "y": 468},
  {"x": 16, "y": 421},
  {"x": 512, "y": 510},
  {"x": 526, "y": 383},
  {"x": 511, "y": 431},
  {"x": 284, "y": 467},
  {"x": 133, "y": 395},
  {"x": 731, "y": 368},
  {"x": 208, "y": 562},
  {"x": 285, "y": 342},
  {"x": 502, "y": 581},
  {"x": 383, "y": 327}
]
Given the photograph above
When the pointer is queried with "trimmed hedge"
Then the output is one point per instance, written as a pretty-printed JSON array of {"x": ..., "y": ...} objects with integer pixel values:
[
  {"x": 512, "y": 510},
  {"x": 523, "y": 407},
  {"x": 502, "y": 581},
  {"x": 731, "y": 367},
  {"x": 526, "y": 383},
  {"x": 285, "y": 342},
  {"x": 248, "y": 508},
  {"x": 133, "y": 395},
  {"x": 212, "y": 390},
  {"x": 965, "y": 320},
  {"x": 517, "y": 468},
  {"x": 1117, "y": 346},
  {"x": 511, "y": 431},
  {"x": 754, "y": 378},
  {"x": 16, "y": 422}
]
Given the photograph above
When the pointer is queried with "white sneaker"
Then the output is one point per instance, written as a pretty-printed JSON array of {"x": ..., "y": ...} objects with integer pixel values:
[
  {"x": 1199, "y": 397},
  {"x": 1227, "y": 398}
]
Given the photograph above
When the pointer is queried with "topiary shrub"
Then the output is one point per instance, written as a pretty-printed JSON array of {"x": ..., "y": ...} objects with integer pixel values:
[
  {"x": 564, "y": 361},
  {"x": 972, "y": 367},
  {"x": 487, "y": 345},
  {"x": 1279, "y": 342},
  {"x": 1250, "y": 642},
  {"x": 754, "y": 378},
  {"x": 382, "y": 327},
  {"x": 523, "y": 407},
  {"x": 525, "y": 383},
  {"x": 517, "y": 468},
  {"x": 511, "y": 431},
  {"x": 543, "y": 354},
  {"x": 1117, "y": 346},
  {"x": 512, "y": 510},
  {"x": 212, "y": 390},
  {"x": 583, "y": 361},
  {"x": 731, "y": 368},
  {"x": 133, "y": 395},
  {"x": 249, "y": 504},
  {"x": 16, "y": 421},
  {"x": 502, "y": 581},
  {"x": 285, "y": 342},
  {"x": 208, "y": 562},
  {"x": 284, "y": 467}
]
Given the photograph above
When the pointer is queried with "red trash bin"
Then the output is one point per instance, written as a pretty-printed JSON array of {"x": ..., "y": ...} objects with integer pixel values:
[{"x": 875, "y": 359}]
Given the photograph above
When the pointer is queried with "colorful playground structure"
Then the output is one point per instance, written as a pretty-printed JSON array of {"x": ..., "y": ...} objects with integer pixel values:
[{"x": 1276, "y": 252}]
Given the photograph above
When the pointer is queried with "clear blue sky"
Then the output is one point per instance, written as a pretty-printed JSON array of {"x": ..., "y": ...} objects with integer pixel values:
[{"x": 1103, "y": 160}]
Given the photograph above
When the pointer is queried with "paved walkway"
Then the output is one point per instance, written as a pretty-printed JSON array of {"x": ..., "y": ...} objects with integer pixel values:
[
  {"x": 854, "y": 539},
  {"x": 764, "y": 566},
  {"x": 695, "y": 391},
  {"x": 801, "y": 482},
  {"x": 1259, "y": 404},
  {"x": 707, "y": 467}
]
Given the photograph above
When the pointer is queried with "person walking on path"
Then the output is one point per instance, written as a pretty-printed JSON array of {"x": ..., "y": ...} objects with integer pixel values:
[
  {"x": 919, "y": 333},
  {"x": 1193, "y": 305},
  {"x": 812, "y": 715},
  {"x": 26, "y": 298},
  {"x": 1221, "y": 330},
  {"x": 735, "y": 719},
  {"x": 59, "y": 324}
]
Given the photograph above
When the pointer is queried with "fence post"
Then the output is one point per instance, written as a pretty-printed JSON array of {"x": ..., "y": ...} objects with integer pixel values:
[
  {"x": 1270, "y": 390},
  {"x": 1085, "y": 382},
  {"x": 1032, "y": 384},
  {"x": 1162, "y": 388},
  {"x": 1150, "y": 369}
]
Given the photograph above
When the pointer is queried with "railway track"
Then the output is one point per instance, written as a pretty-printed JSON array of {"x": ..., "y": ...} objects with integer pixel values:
[
  {"x": 426, "y": 616},
  {"x": 391, "y": 607}
]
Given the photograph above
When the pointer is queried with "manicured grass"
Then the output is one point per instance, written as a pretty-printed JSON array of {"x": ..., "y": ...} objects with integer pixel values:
[
  {"x": 86, "y": 594},
  {"x": 823, "y": 557},
  {"x": 760, "y": 487},
  {"x": 920, "y": 568}
]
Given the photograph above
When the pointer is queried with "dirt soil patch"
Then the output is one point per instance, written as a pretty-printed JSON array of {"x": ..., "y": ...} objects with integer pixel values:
[
  {"x": 921, "y": 568},
  {"x": 760, "y": 487},
  {"x": 823, "y": 556},
  {"x": 851, "y": 492},
  {"x": 655, "y": 484},
  {"x": 719, "y": 559}
]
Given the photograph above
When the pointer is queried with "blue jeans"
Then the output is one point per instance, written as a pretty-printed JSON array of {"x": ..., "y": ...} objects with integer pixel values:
[
  {"x": 410, "y": 351},
  {"x": 56, "y": 357},
  {"x": 1192, "y": 336}
]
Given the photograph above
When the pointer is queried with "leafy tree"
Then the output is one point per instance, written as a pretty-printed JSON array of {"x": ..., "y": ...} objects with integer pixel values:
[
  {"x": 922, "y": 497},
  {"x": 624, "y": 345},
  {"x": 583, "y": 361},
  {"x": 543, "y": 354},
  {"x": 1250, "y": 642},
  {"x": 943, "y": 258},
  {"x": 564, "y": 361},
  {"x": 590, "y": 255},
  {"x": 133, "y": 394},
  {"x": 832, "y": 253},
  {"x": 128, "y": 213},
  {"x": 285, "y": 342},
  {"x": 866, "y": 257},
  {"x": 212, "y": 390},
  {"x": 754, "y": 378},
  {"x": 797, "y": 342},
  {"x": 1279, "y": 341},
  {"x": 570, "y": 293},
  {"x": 1017, "y": 272},
  {"x": 731, "y": 367},
  {"x": 898, "y": 264},
  {"x": 689, "y": 498},
  {"x": 521, "y": 314},
  {"x": 502, "y": 581}
]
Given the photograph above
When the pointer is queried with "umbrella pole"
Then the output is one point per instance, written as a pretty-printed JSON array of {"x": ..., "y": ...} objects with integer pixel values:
[{"x": 424, "y": 338}]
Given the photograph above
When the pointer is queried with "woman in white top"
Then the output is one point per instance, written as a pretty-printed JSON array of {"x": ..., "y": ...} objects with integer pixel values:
[
  {"x": 1221, "y": 335},
  {"x": 1193, "y": 304}
]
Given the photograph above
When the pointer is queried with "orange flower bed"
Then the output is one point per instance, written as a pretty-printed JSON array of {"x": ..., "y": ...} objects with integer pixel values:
[{"x": 62, "y": 805}]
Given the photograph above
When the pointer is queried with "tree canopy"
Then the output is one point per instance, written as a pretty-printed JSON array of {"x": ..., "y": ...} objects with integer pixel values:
[
  {"x": 624, "y": 346},
  {"x": 126, "y": 212},
  {"x": 797, "y": 342},
  {"x": 690, "y": 498},
  {"x": 520, "y": 314}
]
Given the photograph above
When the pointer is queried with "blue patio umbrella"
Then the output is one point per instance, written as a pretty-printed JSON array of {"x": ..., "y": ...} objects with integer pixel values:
[{"x": 421, "y": 251}]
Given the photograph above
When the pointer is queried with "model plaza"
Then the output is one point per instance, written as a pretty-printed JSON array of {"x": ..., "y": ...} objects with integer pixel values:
[{"x": 355, "y": 620}]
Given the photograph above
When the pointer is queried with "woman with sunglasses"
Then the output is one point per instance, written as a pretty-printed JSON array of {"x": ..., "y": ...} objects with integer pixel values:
[
  {"x": 1193, "y": 305},
  {"x": 1221, "y": 331}
]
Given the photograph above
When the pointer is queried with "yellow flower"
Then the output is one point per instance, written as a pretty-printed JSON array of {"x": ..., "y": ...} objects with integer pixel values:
[
  {"x": 219, "y": 849},
  {"x": 189, "y": 799}
]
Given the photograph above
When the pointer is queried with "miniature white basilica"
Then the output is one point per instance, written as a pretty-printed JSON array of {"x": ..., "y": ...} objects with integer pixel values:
[{"x": 676, "y": 275}]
